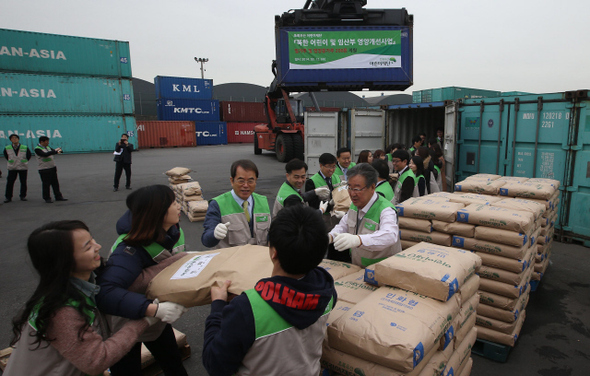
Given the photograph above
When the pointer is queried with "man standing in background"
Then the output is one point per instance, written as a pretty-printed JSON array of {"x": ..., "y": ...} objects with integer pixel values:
[
  {"x": 344, "y": 157},
  {"x": 122, "y": 159},
  {"x": 47, "y": 169},
  {"x": 17, "y": 157}
]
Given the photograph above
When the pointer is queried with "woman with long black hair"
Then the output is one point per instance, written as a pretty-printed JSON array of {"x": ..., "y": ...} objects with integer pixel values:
[
  {"x": 150, "y": 239},
  {"x": 417, "y": 166},
  {"x": 60, "y": 331}
]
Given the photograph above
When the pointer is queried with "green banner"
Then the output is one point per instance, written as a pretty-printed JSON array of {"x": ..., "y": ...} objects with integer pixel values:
[{"x": 345, "y": 49}]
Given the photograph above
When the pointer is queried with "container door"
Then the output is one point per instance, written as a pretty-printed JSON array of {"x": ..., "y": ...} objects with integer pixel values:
[
  {"x": 575, "y": 201},
  {"x": 367, "y": 130},
  {"x": 449, "y": 147},
  {"x": 321, "y": 136}
]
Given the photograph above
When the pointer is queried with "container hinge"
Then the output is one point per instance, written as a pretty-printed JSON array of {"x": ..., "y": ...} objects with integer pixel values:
[
  {"x": 459, "y": 142},
  {"x": 571, "y": 188},
  {"x": 506, "y": 162}
]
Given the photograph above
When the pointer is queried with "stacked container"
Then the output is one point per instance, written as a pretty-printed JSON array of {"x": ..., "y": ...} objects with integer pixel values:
[
  {"x": 76, "y": 91},
  {"x": 241, "y": 118},
  {"x": 182, "y": 98}
]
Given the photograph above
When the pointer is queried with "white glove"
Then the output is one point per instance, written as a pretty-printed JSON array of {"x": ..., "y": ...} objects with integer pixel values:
[
  {"x": 323, "y": 193},
  {"x": 220, "y": 231},
  {"x": 332, "y": 202},
  {"x": 323, "y": 206},
  {"x": 338, "y": 214},
  {"x": 151, "y": 320},
  {"x": 346, "y": 241},
  {"x": 169, "y": 312}
]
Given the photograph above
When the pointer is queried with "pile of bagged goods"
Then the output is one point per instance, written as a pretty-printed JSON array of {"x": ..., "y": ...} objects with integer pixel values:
[
  {"x": 188, "y": 193},
  {"x": 509, "y": 223}
]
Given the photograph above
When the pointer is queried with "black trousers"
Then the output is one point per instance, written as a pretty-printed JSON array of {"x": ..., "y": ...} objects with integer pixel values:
[
  {"x": 335, "y": 255},
  {"x": 11, "y": 179},
  {"x": 164, "y": 350},
  {"x": 120, "y": 166},
  {"x": 49, "y": 180}
]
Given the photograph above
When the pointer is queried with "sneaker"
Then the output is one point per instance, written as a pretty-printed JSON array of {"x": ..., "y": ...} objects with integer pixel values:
[
  {"x": 23, "y": 199},
  {"x": 49, "y": 201},
  {"x": 61, "y": 199},
  {"x": 7, "y": 200}
]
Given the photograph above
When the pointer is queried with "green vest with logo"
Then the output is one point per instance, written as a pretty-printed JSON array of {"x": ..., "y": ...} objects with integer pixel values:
[
  {"x": 155, "y": 250},
  {"x": 339, "y": 171},
  {"x": 14, "y": 162},
  {"x": 275, "y": 336},
  {"x": 239, "y": 229},
  {"x": 386, "y": 190},
  {"x": 363, "y": 256},
  {"x": 285, "y": 191},
  {"x": 400, "y": 181}
]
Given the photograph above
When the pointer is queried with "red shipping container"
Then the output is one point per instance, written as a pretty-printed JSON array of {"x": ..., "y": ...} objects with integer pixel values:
[
  {"x": 240, "y": 132},
  {"x": 166, "y": 134},
  {"x": 232, "y": 111}
]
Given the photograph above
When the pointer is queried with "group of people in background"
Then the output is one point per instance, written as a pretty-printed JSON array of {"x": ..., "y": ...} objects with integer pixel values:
[{"x": 89, "y": 314}]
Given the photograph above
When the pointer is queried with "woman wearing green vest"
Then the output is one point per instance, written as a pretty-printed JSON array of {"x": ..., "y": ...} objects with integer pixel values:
[
  {"x": 417, "y": 167},
  {"x": 60, "y": 331},
  {"x": 383, "y": 187},
  {"x": 150, "y": 239}
]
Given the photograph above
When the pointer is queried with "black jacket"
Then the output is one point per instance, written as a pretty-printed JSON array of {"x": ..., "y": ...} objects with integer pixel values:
[{"x": 125, "y": 156}]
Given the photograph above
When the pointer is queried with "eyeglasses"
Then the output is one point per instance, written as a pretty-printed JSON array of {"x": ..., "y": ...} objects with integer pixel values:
[
  {"x": 356, "y": 190},
  {"x": 329, "y": 167},
  {"x": 241, "y": 181}
]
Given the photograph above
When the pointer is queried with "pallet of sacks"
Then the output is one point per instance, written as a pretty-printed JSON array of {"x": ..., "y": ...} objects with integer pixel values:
[
  {"x": 178, "y": 175},
  {"x": 189, "y": 194},
  {"x": 410, "y": 314},
  {"x": 512, "y": 235}
]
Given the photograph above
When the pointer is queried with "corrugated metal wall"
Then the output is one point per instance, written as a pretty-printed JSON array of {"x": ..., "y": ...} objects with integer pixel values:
[{"x": 166, "y": 134}]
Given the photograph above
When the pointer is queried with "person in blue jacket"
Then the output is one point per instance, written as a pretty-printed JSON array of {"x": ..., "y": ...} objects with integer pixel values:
[
  {"x": 150, "y": 239},
  {"x": 277, "y": 327}
]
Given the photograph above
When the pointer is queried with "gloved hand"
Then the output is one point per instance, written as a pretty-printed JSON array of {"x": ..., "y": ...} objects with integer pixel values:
[
  {"x": 169, "y": 312},
  {"x": 323, "y": 193},
  {"x": 323, "y": 206},
  {"x": 220, "y": 231},
  {"x": 330, "y": 239},
  {"x": 338, "y": 214},
  {"x": 331, "y": 203},
  {"x": 346, "y": 241}
]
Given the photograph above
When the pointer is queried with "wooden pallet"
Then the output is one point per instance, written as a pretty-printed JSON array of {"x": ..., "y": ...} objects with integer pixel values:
[{"x": 491, "y": 350}]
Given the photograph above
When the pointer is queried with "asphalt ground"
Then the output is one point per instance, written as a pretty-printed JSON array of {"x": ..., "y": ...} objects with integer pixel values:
[{"x": 555, "y": 339}]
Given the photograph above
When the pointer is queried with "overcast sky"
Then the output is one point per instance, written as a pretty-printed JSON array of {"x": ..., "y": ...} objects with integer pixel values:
[{"x": 538, "y": 46}]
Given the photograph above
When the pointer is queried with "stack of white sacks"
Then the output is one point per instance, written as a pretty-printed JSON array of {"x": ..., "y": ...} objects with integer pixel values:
[
  {"x": 415, "y": 317},
  {"x": 508, "y": 222},
  {"x": 188, "y": 193}
]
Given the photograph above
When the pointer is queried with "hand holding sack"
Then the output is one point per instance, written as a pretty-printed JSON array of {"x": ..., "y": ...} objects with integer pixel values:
[
  {"x": 169, "y": 312},
  {"x": 323, "y": 193},
  {"x": 324, "y": 206}
]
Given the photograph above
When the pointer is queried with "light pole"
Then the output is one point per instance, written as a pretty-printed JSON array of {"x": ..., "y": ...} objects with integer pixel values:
[{"x": 202, "y": 61}]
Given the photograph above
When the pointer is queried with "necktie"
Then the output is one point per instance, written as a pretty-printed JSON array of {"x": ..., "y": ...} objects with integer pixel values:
[{"x": 246, "y": 211}]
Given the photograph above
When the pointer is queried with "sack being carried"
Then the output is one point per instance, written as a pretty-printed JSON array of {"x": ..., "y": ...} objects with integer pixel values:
[{"x": 341, "y": 198}]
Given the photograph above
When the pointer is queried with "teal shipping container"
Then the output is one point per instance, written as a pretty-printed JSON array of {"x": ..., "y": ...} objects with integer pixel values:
[
  {"x": 543, "y": 136},
  {"x": 74, "y": 134},
  {"x": 48, "y": 94},
  {"x": 452, "y": 93},
  {"x": 25, "y": 51}
]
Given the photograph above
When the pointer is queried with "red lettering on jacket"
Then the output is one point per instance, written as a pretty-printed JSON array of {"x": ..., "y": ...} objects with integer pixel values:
[
  {"x": 298, "y": 301},
  {"x": 311, "y": 301},
  {"x": 267, "y": 291},
  {"x": 277, "y": 293},
  {"x": 287, "y": 296}
]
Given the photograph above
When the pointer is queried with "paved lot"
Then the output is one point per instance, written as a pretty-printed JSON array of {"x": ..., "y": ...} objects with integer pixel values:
[{"x": 555, "y": 339}]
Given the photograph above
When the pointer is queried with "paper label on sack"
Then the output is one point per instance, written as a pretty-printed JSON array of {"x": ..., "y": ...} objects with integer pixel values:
[{"x": 194, "y": 266}]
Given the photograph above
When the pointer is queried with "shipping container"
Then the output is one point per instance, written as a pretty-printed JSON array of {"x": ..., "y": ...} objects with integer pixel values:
[
  {"x": 25, "y": 51},
  {"x": 323, "y": 109},
  {"x": 211, "y": 132},
  {"x": 74, "y": 134},
  {"x": 238, "y": 133},
  {"x": 452, "y": 93},
  {"x": 310, "y": 58},
  {"x": 49, "y": 94},
  {"x": 183, "y": 88},
  {"x": 165, "y": 134},
  {"x": 232, "y": 111},
  {"x": 188, "y": 109}
]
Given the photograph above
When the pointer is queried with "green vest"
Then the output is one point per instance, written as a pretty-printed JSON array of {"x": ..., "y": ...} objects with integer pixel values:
[
  {"x": 274, "y": 335},
  {"x": 239, "y": 228},
  {"x": 389, "y": 157},
  {"x": 71, "y": 303},
  {"x": 319, "y": 181},
  {"x": 339, "y": 171},
  {"x": 285, "y": 191},
  {"x": 362, "y": 256},
  {"x": 386, "y": 190},
  {"x": 155, "y": 250},
  {"x": 400, "y": 182},
  {"x": 14, "y": 162},
  {"x": 45, "y": 162}
]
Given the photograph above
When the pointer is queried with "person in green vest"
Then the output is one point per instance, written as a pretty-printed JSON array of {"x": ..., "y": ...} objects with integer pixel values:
[
  {"x": 416, "y": 143},
  {"x": 276, "y": 328},
  {"x": 406, "y": 182},
  {"x": 240, "y": 216},
  {"x": 150, "y": 239},
  {"x": 290, "y": 192},
  {"x": 344, "y": 157},
  {"x": 369, "y": 230},
  {"x": 324, "y": 178},
  {"x": 389, "y": 151},
  {"x": 17, "y": 158},
  {"x": 417, "y": 167},
  {"x": 383, "y": 186},
  {"x": 47, "y": 170},
  {"x": 60, "y": 330}
]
